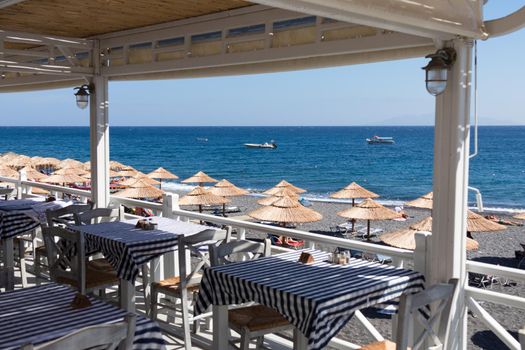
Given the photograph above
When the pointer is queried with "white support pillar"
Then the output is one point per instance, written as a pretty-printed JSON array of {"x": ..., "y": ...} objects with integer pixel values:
[
  {"x": 99, "y": 136},
  {"x": 446, "y": 251}
]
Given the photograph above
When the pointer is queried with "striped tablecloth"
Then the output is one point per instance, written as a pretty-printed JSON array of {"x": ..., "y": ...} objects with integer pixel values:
[
  {"x": 127, "y": 248},
  {"x": 319, "y": 299},
  {"x": 20, "y": 216},
  {"x": 40, "y": 314}
]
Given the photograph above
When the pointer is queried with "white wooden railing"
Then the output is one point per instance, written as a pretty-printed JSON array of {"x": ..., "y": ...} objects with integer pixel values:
[{"x": 400, "y": 257}]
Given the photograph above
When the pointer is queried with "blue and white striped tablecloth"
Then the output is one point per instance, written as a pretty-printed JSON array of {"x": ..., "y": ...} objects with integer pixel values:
[
  {"x": 127, "y": 248},
  {"x": 40, "y": 314},
  {"x": 319, "y": 299}
]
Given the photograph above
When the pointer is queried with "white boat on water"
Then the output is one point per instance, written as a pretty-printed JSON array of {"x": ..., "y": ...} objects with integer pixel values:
[
  {"x": 270, "y": 144},
  {"x": 380, "y": 139}
]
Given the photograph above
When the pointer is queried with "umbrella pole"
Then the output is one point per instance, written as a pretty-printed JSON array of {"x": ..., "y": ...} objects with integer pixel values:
[
  {"x": 160, "y": 184},
  {"x": 368, "y": 230},
  {"x": 353, "y": 220},
  {"x": 224, "y": 209}
]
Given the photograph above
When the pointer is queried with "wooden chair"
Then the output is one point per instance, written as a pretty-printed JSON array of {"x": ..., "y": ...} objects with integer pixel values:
[
  {"x": 53, "y": 218},
  {"x": 68, "y": 263},
  {"x": 182, "y": 288},
  {"x": 104, "y": 336},
  {"x": 251, "y": 322},
  {"x": 415, "y": 306},
  {"x": 94, "y": 216}
]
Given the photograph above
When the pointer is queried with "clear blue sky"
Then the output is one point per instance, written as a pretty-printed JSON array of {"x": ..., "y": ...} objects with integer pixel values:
[{"x": 382, "y": 93}]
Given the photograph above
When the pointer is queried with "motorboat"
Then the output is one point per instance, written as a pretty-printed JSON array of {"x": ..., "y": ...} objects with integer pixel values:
[
  {"x": 270, "y": 144},
  {"x": 380, "y": 139}
]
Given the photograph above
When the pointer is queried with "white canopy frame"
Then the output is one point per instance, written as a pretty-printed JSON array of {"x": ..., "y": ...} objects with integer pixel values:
[{"x": 402, "y": 35}]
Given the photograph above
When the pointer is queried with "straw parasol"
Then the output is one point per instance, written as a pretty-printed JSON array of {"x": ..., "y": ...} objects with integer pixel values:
[
  {"x": 201, "y": 196},
  {"x": 406, "y": 238},
  {"x": 200, "y": 177},
  {"x": 8, "y": 156},
  {"x": 63, "y": 179},
  {"x": 130, "y": 172},
  {"x": 353, "y": 192},
  {"x": 286, "y": 210},
  {"x": 19, "y": 161},
  {"x": 368, "y": 210},
  {"x": 140, "y": 189},
  {"x": 45, "y": 162},
  {"x": 117, "y": 166},
  {"x": 139, "y": 176},
  {"x": 8, "y": 172},
  {"x": 70, "y": 163},
  {"x": 33, "y": 174},
  {"x": 520, "y": 216},
  {"x": 225, "y": 188},
  {"x": 162, "y": 174},
  {"x": 423, "y": 202},
  {"x": 71, "y": 171},
  {"x": 283, "y": 192},
  {"x": 38, "y": 190},
  {"x": 112, "y": 173},
  {"x": 477, "y": 223},
  {"x": 283, "y": 184}
]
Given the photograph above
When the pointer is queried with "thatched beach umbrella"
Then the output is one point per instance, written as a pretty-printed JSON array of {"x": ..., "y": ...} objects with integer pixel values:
[
  {"x": 423, "y": 202},
  {"x": 225, "y": 188},
  {"x": 369, "y": 210},
  {"x": 520, "y": 216},
  {"x": 406, "y": 238},
  {"x": 140, "y": 189},
  {"x": 283, "y": 184},
  {"x": 286, "y": 210},
  {"x": 283, "y": 192},
  {"x": 70, "y": 163},
  {"x": 8, "y": 172},
  {"x": 19, "y": 161},
  {"x": 112, "y": 173},
  {"x": 8, "y": 156},
  {"x": 477, "y": 223},
  {"x": 139, "y": 176},
  {"x": 353, "y": 192},
  {"x": 64, "y": 179},
  {"x": 201, "y": 196},
  {"x": 162, "y": 174},
  {"x": 47, "y": 162},
  {"x": 128, "y": 172},
  {"x": 33, "y": 174},
  {"x": 117, "y": 166},
  {"x": 38, "y": 190},
  {"x": 199, "y": 178},
  {"x": 71, "y": 171}
]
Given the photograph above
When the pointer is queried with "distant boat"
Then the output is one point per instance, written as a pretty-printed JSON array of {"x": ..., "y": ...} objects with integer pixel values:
[
  {"x": 202, "y": 139},
  {"x": 270, "y": 144},
  {"x": 380, "y": 139}
]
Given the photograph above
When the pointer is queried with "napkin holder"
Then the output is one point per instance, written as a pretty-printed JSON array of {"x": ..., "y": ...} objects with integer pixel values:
[
  {"x": 306, "y": 258},
  {"x": 146, "y": 225},
  {"x": 80, "y": 301}
]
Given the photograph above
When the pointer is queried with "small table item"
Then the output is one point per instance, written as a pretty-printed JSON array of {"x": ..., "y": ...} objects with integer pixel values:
[
  {"x": 318, "y": 298},
  {"x": 40, "y": 314}
]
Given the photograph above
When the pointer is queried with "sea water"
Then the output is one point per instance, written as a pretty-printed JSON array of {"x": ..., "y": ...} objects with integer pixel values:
[{"x": 319, "y": 159}]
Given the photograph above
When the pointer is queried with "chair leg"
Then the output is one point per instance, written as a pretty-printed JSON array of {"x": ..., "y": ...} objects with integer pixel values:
[
  {"x": 153, "y": 304},
  {"x": 245, "y": 340},
  {"x": 259, "y": 342},
  {"x": 196, "y": 323},
  {"x": 146, "y": 286},
  {"x": 22, "y": 257},
  {"x": 185, "y": 319}
]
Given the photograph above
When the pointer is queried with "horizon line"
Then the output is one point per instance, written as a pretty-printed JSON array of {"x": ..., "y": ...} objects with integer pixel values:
[{"x": 246, "y": 126}]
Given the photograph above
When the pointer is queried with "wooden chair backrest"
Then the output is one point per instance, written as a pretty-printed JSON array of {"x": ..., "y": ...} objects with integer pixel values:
[
  {"x": 53, "y": 216},
  {"x": 105, "y": 336},
  {"x": 66, "y": 255},
  {"x": 94, "y": 216},
  {"x": 227, "y": 252},
  {"x": 194, "y": 244},
  {"x": 439, "y": 298}
]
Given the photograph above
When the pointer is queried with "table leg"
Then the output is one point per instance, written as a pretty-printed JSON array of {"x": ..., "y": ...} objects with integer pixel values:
[
  {"x": 127, "y": 295},
  {"x": 9, "y": 264},
  {"x": 300, "y": 341},
  {"x": 154, "y": 276},
  {"x": 221, "y": 331}
]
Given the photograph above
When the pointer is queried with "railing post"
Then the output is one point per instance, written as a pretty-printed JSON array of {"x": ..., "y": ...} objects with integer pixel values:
[
  {"x": 168, "y": 203},
  {"x": 420, "y": 254},
  {"x": 22, "y": 176}
]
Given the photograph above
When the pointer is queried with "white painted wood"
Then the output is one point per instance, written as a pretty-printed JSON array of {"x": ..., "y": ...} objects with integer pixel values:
[
  {"x": 9, "y": 264},
  {"x": 512, "y": 301},
  {"x": 99, "y": 139},
  {"x": 493, "y": 325},
  {"x": 300, "y": 341},
  {"x": 522, "y": 338},
  {"x": 127, "y": 295},
  {"x": 508, "y": 24},
  {"x": 497, "y": 270},
  {"x": 22, "y": 176},
  {"x": 447, "y": 253},
  {"x": 220, "y": 327},
  {"x": 369, "y": 327}
]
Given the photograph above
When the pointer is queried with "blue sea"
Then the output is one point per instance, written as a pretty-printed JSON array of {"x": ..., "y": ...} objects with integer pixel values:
[{"x": 319, "y": 159}]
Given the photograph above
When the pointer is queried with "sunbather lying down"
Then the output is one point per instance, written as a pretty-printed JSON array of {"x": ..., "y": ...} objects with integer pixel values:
[{"x": 502, "y": 221}]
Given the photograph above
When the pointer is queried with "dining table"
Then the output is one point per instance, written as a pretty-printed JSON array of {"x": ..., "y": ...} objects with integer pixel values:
[
  {"x": 128, "y": 248},
  {"x": 20, "y": 217},
  {"x": 40, "y": 314},
  {"x": 317, "y": 298}
]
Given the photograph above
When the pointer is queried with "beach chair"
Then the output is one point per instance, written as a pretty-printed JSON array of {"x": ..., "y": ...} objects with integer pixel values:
[
  {"x": 105, "y": 336},
  {"x": 414, "y": 307},
  {"x": 255, "y": 321}
]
